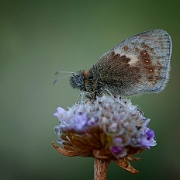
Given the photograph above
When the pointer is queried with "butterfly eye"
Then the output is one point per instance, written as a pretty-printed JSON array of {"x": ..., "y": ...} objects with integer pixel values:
[
  {"x": 79, "y": 79},
  {"x": 76, "y": 81}
]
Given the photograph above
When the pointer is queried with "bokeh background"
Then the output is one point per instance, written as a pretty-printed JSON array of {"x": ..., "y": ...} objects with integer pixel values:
[{"x": 37, "y": 38}]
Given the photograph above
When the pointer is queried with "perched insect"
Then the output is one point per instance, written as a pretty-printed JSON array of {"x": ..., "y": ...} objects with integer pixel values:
[{"x": 139, "y": 64}]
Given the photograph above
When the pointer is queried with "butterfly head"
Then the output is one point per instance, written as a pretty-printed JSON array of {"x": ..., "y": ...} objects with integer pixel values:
[
  {"x": 86, "y": 81},
  {"x": 76, "y": 81}
]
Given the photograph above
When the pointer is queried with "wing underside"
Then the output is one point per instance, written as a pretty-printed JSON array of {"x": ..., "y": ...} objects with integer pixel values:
[{"x": 138, "y": 64}]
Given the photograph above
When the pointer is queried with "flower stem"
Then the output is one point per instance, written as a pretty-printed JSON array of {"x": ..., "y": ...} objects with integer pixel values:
[{"x": 100, "y": 168}]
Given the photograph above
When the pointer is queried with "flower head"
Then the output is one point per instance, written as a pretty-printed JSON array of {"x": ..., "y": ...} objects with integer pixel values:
[{"x": 106, "y": 128}]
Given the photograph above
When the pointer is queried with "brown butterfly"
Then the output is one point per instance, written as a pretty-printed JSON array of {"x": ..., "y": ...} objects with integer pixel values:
[{"x": 139, "y": 64}]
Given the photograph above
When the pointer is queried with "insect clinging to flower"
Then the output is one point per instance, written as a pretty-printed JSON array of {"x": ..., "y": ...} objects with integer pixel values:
[{"x": 140, "y": 64}]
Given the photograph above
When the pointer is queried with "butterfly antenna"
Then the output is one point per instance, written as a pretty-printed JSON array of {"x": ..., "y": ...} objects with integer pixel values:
[
  {"x": 56, "y": 80},
  {"x": 63, "y": 72}
]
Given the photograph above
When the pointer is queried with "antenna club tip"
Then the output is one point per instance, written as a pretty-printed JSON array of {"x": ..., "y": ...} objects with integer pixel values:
[
  {"x": 56, "y": 73},
  {"x": 55, "y": 82}
]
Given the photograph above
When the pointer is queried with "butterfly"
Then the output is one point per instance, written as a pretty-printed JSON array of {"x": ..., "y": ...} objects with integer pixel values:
[{"x": 139, "y": 64}]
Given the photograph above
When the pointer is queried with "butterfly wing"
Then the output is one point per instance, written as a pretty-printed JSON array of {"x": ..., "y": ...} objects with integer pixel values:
[{"x": 139, "y": 64}]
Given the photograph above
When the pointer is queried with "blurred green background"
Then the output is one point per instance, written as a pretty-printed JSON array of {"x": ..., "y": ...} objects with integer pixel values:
[{"x": 37, "y": 38}]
